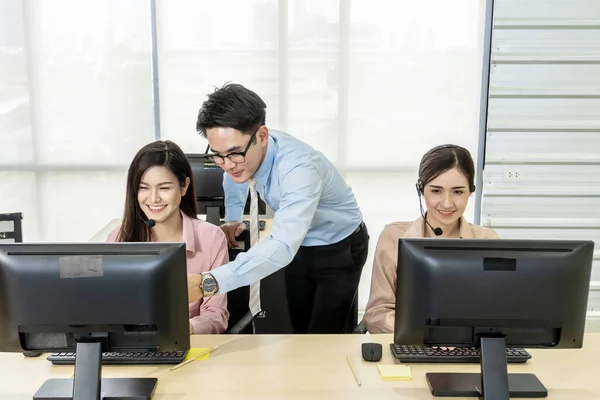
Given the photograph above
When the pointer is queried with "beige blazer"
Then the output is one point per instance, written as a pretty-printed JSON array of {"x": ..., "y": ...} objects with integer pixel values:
[{"x": 379, "y": 314}]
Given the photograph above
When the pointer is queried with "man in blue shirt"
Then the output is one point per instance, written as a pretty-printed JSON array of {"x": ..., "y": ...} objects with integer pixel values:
[{"x": 318, "y": 233}]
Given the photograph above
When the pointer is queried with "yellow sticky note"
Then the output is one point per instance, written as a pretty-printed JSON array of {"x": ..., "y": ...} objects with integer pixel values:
[
  {"x": 398, "y": 372},
  {"x": 195, "y": 351}
]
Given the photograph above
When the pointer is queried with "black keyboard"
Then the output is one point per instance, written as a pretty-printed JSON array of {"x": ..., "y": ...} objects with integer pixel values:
[
  {"x": 167, "y": 357},
  {"x": 425, "y": 354}
]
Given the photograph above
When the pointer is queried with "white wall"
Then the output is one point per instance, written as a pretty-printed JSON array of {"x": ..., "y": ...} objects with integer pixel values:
[{"x": 543, "y": 123}]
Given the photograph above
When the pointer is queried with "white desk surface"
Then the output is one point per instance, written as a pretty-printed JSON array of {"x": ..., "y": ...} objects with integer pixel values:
[{"x": 279, "y": 367}]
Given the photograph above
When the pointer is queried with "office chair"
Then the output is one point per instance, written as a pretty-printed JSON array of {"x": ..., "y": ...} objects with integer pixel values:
[
  {"x": 17, "y": 233},
  {"x": 244, "y": 326},
  {"x": 240, "y": 317},
  {"x": 361, "y": 328}
]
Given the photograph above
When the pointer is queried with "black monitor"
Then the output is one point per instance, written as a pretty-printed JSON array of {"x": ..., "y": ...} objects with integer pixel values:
[
  {"x": 210, "y": 197},
  {"x": 90, "y": 298},
  {"x": 491, "y": 294}
]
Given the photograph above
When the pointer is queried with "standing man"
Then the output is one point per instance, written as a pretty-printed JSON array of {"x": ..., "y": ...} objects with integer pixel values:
[{"x": 318, "y": 234}]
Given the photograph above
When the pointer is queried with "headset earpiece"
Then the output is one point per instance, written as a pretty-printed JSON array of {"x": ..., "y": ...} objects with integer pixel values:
[{"x": 419, "y": 187}]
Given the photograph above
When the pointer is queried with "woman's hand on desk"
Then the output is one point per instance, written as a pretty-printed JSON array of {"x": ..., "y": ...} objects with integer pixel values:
[
  {"x": 232, "y": 230},
  {"x": 194, "y": 292}
]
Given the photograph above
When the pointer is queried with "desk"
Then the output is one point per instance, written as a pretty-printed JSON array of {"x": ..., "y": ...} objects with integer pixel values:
[{"x": 279, "y": 367}]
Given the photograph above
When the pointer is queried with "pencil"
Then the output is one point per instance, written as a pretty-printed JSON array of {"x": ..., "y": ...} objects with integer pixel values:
[
  {"x": 195, "y": 358},
  {"x": 353, "y": 371}
]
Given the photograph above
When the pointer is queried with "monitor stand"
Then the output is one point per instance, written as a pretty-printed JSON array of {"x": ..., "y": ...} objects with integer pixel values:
[
  {"x": 497, "y": 383},
  {"x": 88, "y": 384}
]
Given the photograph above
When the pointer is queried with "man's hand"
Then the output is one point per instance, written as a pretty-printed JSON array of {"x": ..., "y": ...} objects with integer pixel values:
[
  {"x": 194, "y": 281},
  {"x": 232, "y": 230}
]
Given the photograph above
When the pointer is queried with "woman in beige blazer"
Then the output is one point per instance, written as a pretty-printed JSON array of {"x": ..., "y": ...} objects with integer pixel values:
[{"x": 446, "y": 181}]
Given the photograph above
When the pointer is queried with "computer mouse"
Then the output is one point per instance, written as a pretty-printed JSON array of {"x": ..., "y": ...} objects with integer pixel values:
[{"x": 371, "y": 351}]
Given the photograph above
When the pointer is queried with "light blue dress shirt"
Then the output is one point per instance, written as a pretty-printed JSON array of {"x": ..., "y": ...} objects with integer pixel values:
[{"x": 312, "y": 203}]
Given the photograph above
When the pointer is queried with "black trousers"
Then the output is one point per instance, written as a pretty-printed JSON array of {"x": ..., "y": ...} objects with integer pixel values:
[{"x": 321, "y": 284}]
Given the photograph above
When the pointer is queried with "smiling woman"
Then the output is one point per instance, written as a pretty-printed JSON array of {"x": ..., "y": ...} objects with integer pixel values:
[
  {"x": 160, "y": 206},
  {"x": 446, "y": 181}
]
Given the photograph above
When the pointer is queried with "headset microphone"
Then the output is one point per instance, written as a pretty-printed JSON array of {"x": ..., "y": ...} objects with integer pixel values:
[
  {"x": 436, "y": 231},
  {"x": 150, "y": 223}
]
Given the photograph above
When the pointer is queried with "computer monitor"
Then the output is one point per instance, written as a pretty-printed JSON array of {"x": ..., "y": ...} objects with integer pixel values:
[
  {"x": 210, "y": 197},
  {"x": 491, "y": 294},
  {"x": 90, "y": 298}
]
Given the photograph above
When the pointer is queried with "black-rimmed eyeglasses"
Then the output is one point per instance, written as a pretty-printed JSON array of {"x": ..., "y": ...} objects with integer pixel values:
[{"x": 236, "y": 158}]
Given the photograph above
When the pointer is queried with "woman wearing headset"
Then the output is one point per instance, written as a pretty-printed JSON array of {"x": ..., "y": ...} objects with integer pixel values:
[
  {"x": 446, "y": 181},
  {"x": 160, "y": 206}
]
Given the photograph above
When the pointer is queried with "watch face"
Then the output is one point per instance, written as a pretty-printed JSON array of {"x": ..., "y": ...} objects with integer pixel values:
[{"x": 208, "y": 284}]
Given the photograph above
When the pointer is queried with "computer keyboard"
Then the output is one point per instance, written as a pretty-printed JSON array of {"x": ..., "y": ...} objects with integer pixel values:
[
  {"x": 167, "y": 357},
  {"x": 426, "y": 354}
]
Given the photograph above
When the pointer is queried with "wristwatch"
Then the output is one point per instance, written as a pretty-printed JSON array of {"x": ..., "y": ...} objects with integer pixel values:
[{"x": 208, "y": 287}]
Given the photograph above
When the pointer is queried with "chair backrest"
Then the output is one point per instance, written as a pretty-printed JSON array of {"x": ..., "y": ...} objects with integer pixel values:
[
  {"x": 361, "y": 328},
  {"x": 240, "y": 317},
  {"x": 10, "y": 227}
]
